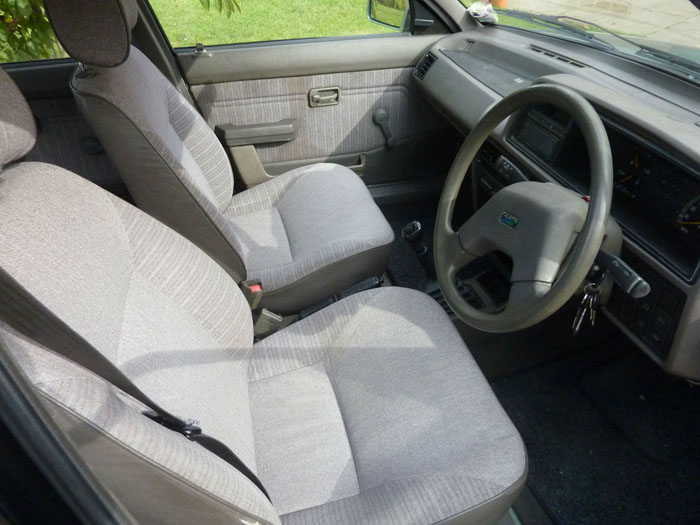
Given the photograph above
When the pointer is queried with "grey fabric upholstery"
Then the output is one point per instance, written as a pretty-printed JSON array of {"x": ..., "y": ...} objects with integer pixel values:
[
  {"x": 17, "y": 126},
  {"x": 94, "y": 33},
  {"x": 299, "y": 223},
  {"x": 418, "y": 417},
  {"x": 370, "y": 411},
  {"x": 177, "y": 171},
  {"x": 63, "y": 134},
  {"x": 353, "y": 131},
  {"x": 159, "y": 183},
  {"x": 132, "y": 287}
]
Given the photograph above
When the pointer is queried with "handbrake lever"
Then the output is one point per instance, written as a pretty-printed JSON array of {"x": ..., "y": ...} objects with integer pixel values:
[{"x": 626, "y": 278}]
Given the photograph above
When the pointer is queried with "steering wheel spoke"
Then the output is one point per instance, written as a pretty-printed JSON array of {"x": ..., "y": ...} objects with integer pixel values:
[
  {"x": 526, "y": 293},
  {"x": 454, "y": 256}
]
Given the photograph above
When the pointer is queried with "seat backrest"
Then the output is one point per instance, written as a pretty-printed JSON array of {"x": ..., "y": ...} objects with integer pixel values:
[
  {"x": 169, "y": 158},
  {"x": 155, "y": 305}
]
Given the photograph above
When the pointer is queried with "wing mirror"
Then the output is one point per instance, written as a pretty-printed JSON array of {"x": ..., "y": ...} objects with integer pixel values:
[{"x": 395, "y": 14}]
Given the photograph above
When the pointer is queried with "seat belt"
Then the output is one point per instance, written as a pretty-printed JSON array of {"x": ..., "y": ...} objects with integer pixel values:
[{"x": 23, "y": 312}]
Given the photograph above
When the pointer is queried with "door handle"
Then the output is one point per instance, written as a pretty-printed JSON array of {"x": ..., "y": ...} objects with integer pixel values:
[{"x": 324, "y": 97}]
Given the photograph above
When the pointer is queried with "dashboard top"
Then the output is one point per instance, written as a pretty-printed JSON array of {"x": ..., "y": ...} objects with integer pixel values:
[{"x": 497, "y": 61}]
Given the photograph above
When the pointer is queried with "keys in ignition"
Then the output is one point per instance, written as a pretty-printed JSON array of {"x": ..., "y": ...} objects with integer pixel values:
[
  {"x": 588, "y": 307},
  {"x": 594, "y": 294},
  {"x": 580, "y": 315}
]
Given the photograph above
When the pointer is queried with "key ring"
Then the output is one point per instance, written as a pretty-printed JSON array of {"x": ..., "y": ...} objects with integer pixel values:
[{"x": 591, "y": 288}]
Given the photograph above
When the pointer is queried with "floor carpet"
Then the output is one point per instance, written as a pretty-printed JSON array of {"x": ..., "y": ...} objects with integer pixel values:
[{"x": 610, "y": 438}]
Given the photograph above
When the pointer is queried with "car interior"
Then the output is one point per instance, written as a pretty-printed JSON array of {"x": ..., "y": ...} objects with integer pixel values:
[{"x": 444, "y": 272}]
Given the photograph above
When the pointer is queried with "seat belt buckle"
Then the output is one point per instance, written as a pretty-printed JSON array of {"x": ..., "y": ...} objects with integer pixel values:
[
  {"x": 253, "y": 292},
  {"x": 189, "y": 428},
  {"x": 266, "y": 324}
]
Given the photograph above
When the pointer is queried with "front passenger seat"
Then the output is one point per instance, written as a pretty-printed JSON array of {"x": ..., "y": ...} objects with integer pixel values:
[{"x": 306, "y": 234}]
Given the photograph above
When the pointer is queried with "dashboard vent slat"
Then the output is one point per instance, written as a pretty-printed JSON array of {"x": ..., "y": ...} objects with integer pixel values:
[
  {"x": 557, "y": 56},
  {"x": 424, "y": 65},
  {"x": 467, "y": 44}
]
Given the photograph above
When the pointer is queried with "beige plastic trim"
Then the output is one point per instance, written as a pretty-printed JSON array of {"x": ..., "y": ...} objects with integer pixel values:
[
  {"x": 312, "y": 288},
  {"x": 295, "y": 58},
  {"x": 160, "y": 495},
  {"x": 379, "y": 165},
  {"x": 264, "y": 133},
  {"x": 247, "y": 166},
  {"x": 458, "y": 13},
  {"x": 250, "y": 171}
]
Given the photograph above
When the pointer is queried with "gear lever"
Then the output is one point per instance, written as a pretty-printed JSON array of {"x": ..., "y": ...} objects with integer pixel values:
[{"x": 413, "y": 234}]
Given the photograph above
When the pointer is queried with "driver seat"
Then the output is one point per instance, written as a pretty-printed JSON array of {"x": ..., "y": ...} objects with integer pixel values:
[{"x": 369, "y": 411}]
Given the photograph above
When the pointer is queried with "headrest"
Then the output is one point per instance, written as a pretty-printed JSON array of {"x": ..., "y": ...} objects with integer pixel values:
[
  {"x": 17, "y": 126},
  {"x": 94, "y": 32}
]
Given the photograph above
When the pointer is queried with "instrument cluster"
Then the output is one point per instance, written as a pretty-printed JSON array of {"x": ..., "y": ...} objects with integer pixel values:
[{"x": 656, "y": 196}]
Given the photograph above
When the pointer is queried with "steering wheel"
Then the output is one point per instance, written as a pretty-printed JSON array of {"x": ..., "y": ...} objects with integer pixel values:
[{"x": 549, "y": 232}]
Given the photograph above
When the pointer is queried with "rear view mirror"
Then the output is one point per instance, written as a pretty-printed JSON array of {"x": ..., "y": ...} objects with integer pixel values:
[{"x": 389, "y": 13}]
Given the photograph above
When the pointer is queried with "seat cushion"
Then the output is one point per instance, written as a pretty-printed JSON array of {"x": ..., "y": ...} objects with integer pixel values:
[
  {"x": 374, "y": 411},
  {"x": 308, "y": 234}
]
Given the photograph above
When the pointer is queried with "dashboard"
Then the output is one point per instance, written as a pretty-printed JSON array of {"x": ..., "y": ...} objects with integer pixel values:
[{"x": 653, "y": 125}]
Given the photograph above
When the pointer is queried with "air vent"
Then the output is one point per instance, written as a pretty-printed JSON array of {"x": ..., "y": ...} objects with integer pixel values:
[
  {"x": 424, "y": 65},
  {"x": 557, "y": 56}
]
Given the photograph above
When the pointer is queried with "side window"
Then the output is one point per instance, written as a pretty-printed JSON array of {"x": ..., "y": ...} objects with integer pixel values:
[
  {"x": 25, "y": 32},
  {"x": 212, "y": 22}
]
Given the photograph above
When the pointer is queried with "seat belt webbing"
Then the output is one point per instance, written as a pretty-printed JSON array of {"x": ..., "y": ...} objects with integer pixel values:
[{"x": 23, "y": 312}]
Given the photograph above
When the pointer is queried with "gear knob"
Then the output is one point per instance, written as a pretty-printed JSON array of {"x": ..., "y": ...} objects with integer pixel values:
[{"x": 412, "y": 233}]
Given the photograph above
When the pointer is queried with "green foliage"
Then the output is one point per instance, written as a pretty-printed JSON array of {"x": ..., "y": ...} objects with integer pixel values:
[
  {"x": 25, "y": 32},
  {"x": 223, "y": 6}
]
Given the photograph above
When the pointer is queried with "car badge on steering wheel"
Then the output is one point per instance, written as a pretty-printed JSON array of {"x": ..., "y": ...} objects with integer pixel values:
[{"x": 510, "y": 220}]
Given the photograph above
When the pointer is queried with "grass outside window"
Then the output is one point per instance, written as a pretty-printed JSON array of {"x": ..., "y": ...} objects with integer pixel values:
[{"x": 186, "y": 22}]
